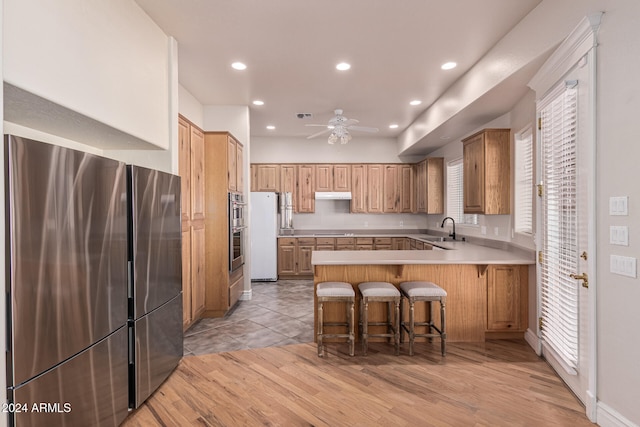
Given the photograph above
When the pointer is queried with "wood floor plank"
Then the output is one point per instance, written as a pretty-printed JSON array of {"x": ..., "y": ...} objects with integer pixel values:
[{"x": 496, "y": 383}]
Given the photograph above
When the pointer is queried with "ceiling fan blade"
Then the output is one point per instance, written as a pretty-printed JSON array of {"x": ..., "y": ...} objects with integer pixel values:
[
  {"x": 363, "y": 128},
  {"x": 319, "y": 133},
  {"x": 312, "y": 124},
  {"x": 350, "y": 122}
]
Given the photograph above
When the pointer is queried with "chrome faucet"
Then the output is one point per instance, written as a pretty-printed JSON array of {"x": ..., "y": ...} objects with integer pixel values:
[{"x": 453, "y": 232}]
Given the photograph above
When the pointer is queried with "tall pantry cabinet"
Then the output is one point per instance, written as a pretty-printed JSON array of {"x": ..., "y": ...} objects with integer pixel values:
[
  {"x": 191, "y": 169},
  {"x": 223, "y": 174}
]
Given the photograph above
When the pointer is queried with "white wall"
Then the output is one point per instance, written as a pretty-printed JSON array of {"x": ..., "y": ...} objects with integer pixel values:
[
  {"x": 618, "y": 151},
  {"x": 105, "y": 60},
  {"x": 190, "y": 107}
]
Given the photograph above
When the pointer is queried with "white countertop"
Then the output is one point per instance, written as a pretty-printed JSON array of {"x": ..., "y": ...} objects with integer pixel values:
[{"x": 458, "y": 253}]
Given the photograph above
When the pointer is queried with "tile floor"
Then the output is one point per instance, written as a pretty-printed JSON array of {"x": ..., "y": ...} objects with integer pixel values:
[{"x": 279, "y": 313}]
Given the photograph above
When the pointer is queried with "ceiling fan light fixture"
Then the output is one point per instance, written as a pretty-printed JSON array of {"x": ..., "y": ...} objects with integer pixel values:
[
  {"x": 332, "y": 138},
  {"x": 345, "y": 138}
]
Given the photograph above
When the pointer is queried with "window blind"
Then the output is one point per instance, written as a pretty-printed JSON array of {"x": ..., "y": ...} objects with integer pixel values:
[
  {"x": 524, "y": 182},
  {"x": 455, "y": 194},
  {"x": 559, "y": 293}
]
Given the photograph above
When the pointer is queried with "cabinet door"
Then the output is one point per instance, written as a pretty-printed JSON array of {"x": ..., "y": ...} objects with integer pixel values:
[
  {"x": 503, "y": 298},
  {"x": 286, "y": 258},
  {"x": 197, "y": 271},
  {"x": 306, "y": 188},
  {"x": 390, "y": 190},
  {"x": 184, "y": 167},
  {"x": 421, "y": 187},
  {"x": 358, "y": 189},
  {"x": 324, "y": 178},
  {"x": 399, "y": 243},
  {"x": 374, "y": 188},
  {"x": 341, "y": 177},
  {"x": 197, "y": 174},
  {"x": 473, "y": 171},
  {"x": 304, "y": 259},
  {"x": 239, "y": 168},
  {"x": 253, "y": 176},
  {"x": 407, "y": 199},
  {"x": 435, "y": 185},
  {"x": 268, "y": 177},
  {"x": 232, "y": 164},
  {"x": 186, "y": 276},
  {"x": 288, "y": 181}
]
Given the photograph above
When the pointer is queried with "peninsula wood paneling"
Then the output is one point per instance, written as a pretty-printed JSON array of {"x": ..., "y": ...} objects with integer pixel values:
[{"x": 466, "y": 293}]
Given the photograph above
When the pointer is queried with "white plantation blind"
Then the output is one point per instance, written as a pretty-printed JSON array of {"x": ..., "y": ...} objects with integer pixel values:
[
  {"x": 559, "y": 293},
  {"x": 455, "y": 194},
  {"x": 524, "y": 182}
]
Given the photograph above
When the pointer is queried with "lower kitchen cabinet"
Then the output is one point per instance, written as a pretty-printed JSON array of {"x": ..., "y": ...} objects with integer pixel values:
[
  {"x": 507, "y": 298},
  {"x": 294, "y": 256},
  {"x": 400, "y": 243},
  {"x": 345, "y": 243}
]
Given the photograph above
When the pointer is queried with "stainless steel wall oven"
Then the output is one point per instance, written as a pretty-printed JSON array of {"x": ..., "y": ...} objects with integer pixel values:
[{"x": 237, "y": 227}]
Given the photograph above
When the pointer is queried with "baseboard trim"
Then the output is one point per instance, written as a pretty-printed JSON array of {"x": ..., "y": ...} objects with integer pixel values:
[
  {"x": 533, "y": 341},
  {"x": 609, "y": 417}
]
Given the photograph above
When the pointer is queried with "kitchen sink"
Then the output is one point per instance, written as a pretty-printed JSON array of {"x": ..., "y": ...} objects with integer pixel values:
[{"x": 434, "y": 238}]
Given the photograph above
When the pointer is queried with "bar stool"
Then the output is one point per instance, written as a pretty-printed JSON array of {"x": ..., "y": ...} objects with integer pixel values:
[
  {"x": 424, "y": 292},
  {"x": 380, "y": 292},
  {"x": 336, "y": 292}
]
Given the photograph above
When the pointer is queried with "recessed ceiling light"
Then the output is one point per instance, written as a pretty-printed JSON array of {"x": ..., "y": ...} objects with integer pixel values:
[
  {"x": 258, "y": 102},
  {"x": 393, "y": 126},
  {"x": 271, "y": 127},
  {"x": 415, "y": 102},
  {"x": 239, "y": 66},
  {"x": 445, "y": 137},
  {"x": 449, "y": 65},
  {"x": 343, "y": 66}
]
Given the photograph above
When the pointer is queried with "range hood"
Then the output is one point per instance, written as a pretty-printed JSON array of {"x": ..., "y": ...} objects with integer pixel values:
[{"x": 333, "y": 195}]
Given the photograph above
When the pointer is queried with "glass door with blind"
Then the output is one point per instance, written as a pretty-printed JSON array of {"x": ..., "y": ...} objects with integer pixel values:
[{"x": 565, "y": 214}]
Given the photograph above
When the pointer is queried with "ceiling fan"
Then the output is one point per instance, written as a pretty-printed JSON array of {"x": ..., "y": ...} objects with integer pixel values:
[{"x": 339, "y": 127}]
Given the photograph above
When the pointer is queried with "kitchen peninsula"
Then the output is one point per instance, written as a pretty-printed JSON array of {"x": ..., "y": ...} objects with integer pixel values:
[{"x": 487, "y": 288}]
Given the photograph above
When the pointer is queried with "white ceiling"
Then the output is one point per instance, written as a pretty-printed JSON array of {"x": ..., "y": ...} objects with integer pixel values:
[{"x": 291, "y": 48}]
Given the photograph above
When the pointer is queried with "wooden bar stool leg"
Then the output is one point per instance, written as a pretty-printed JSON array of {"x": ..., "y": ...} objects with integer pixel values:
[
  {"x": 365, "y": 329},
  {"x": 412, "y": 326},
  {"x": 350, "y": 316},
  {"x": 396, "y": 329},
  {"x": 320, "y": 332},
  {"x": 443, "y": 333}
]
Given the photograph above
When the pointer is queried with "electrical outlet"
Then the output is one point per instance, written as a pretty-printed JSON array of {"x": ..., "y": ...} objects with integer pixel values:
[{"x": 401, "y": 223}]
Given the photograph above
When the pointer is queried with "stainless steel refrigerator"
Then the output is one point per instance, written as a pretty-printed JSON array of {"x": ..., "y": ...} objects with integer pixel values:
[
  {"x": 264, "y": 236},
  {"x": 155, "y": 267},
  {"x": 66, "y": 276}
]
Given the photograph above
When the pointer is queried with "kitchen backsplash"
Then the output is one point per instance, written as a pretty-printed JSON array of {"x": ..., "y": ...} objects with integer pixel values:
[{"x": 335, "y": 215}]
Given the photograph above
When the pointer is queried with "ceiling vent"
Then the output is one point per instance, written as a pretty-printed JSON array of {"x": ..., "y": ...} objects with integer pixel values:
[{"x": 304, "y": 115}]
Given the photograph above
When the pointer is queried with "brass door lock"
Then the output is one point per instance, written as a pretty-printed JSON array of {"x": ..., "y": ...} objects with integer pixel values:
[{"x": 583, "y": 277}]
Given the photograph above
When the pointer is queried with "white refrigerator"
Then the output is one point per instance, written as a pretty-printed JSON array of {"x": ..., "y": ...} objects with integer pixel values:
[{"x": 264, "y": 236}]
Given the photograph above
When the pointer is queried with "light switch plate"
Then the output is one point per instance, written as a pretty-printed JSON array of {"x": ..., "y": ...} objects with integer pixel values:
[
  {"x": 619, "y": 205},
  {"x": 619, "y": 235},
  {"x": 623, "y": 265}
]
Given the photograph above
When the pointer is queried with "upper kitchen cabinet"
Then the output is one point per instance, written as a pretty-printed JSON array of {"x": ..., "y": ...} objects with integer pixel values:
[
  {"x": 391, "y": 189},
  {"x": 306, "y": 188},
  {"x": 375, "y": 182},
  {"x": 359, "y": 188},
  {"x": 265, "y": 177},
  {"x": 334, "y": 177},
  {"x": 234, "y": 162},
  {"x": 289, "y": 183},
  {"x": 487, "y": 172},
  {"x": 407, "y": 190},
  {"x": 430, "y": 186}
]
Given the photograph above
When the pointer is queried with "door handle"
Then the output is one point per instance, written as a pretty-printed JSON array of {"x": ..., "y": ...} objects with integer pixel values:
[{"x": 583, "y": 277}]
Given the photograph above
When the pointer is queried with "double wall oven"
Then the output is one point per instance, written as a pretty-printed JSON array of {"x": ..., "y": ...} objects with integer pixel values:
[{"x": 237, "y": 227}]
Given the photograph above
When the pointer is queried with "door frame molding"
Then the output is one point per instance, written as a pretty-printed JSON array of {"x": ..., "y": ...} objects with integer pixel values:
[{"x": 581, "y": 42}]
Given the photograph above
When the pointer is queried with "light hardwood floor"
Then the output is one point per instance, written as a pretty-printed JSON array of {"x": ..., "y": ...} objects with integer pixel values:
[{"x": 496, "y": 383}]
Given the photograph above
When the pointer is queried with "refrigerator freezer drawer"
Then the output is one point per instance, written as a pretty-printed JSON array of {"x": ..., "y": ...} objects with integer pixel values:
[
  {"x": 90, "y": 389},
  {"x": 158, "y": 349}
]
